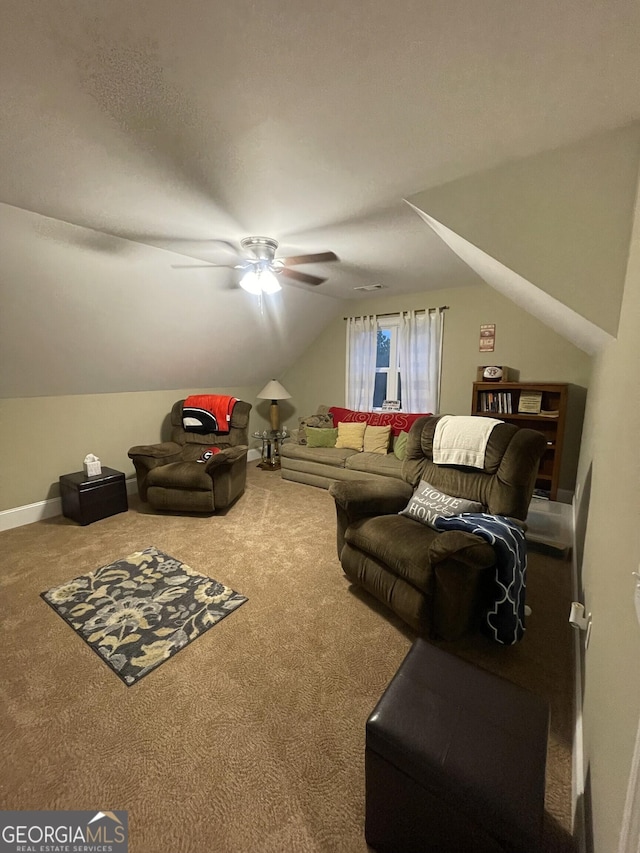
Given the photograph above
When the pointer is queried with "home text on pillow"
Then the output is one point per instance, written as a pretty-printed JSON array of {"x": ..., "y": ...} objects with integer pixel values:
[{"x": 429, "y": 504}]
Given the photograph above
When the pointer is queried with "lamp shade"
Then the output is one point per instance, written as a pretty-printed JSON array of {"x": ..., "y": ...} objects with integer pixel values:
[{"x": 273, "y": 390}]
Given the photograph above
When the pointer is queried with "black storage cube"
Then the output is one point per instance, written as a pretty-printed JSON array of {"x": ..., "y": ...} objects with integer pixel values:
[
  {"x": 87, "y": 499},
  {"x": 455, "y": 760}
]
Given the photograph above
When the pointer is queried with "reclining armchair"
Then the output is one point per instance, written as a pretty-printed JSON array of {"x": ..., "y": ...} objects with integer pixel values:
[
  {"x": 438, "y": 582},
  {"x": 170, "y": 477}
]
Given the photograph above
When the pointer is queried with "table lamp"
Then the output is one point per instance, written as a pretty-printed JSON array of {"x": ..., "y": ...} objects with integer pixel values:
[{"x": 274, "y": 391}]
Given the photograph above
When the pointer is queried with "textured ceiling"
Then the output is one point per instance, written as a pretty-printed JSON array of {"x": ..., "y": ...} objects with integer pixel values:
[{"x": 176, "y": 124}]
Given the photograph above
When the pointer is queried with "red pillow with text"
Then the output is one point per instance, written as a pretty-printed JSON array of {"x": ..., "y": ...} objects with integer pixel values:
[{"x": 398, "y": 421}]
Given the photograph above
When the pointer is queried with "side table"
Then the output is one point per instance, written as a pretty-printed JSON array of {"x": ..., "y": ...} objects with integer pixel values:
[
  {"x": 271, "y": 441},
  {"x": 88, "y": 499}
]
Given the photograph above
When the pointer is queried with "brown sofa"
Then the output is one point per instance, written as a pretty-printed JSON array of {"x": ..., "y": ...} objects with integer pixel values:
[
  {"x": 437, "y": 582},
  {"x": 322, "y": 466}
]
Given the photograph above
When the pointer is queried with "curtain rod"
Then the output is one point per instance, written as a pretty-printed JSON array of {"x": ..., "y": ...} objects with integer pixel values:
[{"x": 397, "y": 313}]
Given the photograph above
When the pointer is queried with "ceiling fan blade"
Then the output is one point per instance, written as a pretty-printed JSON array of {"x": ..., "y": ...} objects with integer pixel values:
[
  {"x": 319, "y": 258},
  {"x": 202, "y": 266},
  {"x": 301, "y": 276}
]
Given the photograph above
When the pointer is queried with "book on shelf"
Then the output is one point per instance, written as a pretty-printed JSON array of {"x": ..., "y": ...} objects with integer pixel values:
[
  {"x": 530, "y": 402},
  {"x": 495, "y": 402},
  {"x": 548, "y": 413}
]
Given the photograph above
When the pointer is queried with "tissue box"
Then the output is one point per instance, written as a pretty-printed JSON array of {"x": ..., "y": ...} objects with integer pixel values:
[{"x": 92, "y": 469}]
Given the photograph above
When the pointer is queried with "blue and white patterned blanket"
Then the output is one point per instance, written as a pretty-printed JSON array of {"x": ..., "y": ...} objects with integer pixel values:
[{"x": 504, "y": 620}]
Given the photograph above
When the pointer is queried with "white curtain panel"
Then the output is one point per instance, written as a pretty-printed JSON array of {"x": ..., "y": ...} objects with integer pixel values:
[
  {"x": 420, "y": 340},
  {"x": 362, "y": 342}
]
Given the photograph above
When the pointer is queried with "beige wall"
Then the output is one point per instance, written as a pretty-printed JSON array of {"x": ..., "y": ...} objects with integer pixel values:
[
  {"x": 522, "y": 342},
  {"x": 609, "y": 509},
  {"x": 44, "y": 437},
  {"x": 561, "y": 218}
]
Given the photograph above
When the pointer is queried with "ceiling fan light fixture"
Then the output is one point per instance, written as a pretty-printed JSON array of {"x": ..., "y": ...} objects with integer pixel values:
[
  {"x": 268, "y": 282},
  {"x": 250, "y": 282},
  {"x": 257, "y": 281},
  {"x": 261, "y": 270}
]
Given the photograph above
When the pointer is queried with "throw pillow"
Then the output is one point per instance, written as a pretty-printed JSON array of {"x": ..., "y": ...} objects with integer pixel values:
[
  {"x": 351, "y": 436},
  {"x": 320, "y": 421},
  {"x": 317, "y": 437},
  {"x": 398, "y": 421},
  {"x": 206, "y": 455},
  {"x": 429, "y": 504},
  {"x": 376, "y": 439},
  {"x": 400, "y": 446}
]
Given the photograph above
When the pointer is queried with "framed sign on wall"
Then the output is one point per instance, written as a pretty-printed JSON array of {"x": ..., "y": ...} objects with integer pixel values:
[{"x": 487, "y": 337}]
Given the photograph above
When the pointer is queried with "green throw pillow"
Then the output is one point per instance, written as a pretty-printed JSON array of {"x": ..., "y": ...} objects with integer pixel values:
[
  {"x": 400, "y": 446},
  {"x": 317, "y": 437}
]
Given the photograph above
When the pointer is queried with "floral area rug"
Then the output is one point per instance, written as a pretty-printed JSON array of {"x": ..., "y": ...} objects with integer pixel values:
[{"x": 138, "y": 612}]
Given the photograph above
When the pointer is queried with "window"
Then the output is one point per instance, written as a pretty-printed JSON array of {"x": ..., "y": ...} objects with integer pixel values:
[
  {"x": 394, "y": 357},
  {"x": 388, "y": 385}
]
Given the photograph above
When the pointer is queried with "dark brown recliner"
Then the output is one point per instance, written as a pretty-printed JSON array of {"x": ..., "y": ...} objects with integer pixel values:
[
  {"x": 170, "y": 478},
  {"x": 437, "y": 582}
]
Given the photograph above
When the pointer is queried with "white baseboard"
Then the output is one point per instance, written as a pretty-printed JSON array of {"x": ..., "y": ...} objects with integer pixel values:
[
  {"x": 27, "y": 514},
  {"x": 578, "y": 816}
]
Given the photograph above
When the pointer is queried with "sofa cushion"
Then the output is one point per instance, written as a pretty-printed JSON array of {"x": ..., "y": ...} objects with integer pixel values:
[
  {"x": 398, "y": 421},
  {"x": 333, "y": 456},
  {"x": 376, "y": 439},
  {"x": 400, "y": 445},
  {"x": 499, "y": 439},
  {"x": 398, "y": 543},
  {"x": 411, "y": 551},
  {"x": 317, "y": 437},
  {"x": 375, "y": 463},
  {"x": 351, "y": 435},
  {"x": 181, "y": 475},
  {"x": 428, "y": 504}
]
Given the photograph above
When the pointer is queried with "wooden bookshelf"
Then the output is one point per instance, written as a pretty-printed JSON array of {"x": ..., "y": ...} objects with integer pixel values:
[{"x": 502, "y": 400}]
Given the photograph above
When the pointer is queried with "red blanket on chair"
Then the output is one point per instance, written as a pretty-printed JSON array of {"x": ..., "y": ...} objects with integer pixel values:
[{"x": 205, "y": 413}]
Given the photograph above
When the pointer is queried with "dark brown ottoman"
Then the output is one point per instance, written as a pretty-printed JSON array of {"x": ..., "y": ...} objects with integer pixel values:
[
  {"x": 87, "y": 499},
  {"x": 455, "y": 760}
]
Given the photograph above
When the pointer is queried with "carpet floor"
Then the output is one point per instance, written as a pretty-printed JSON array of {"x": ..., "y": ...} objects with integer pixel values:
[{"x": 252, "y": 737}]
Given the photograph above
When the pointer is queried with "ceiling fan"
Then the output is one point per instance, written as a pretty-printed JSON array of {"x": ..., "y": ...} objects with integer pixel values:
[{"x": 261, "y": 268}]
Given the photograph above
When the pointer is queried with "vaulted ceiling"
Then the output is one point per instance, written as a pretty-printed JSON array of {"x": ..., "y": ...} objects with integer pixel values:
[{"x": 137, "y": 136}]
